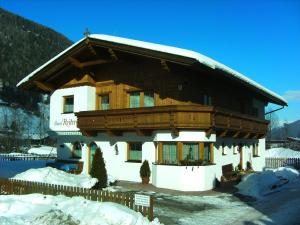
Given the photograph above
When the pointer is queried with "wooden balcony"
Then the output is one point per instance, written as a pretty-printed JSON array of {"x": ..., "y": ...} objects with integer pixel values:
[{"x": 176, "y": 117}]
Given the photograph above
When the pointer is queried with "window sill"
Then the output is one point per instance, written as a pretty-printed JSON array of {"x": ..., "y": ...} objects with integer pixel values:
[
  {"x": 134, "y": 161},
  {"x": 256, "y": 156},
  {"x": 67, "y": 112},
  {"x": 183, "y": 165}
]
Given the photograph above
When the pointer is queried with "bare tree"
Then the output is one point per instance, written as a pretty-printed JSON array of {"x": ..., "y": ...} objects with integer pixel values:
[{"x": 273, "y": 123}]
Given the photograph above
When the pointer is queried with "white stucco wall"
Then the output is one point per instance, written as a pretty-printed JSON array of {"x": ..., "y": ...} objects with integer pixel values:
[
  {"x": 184, "y": 178},
  {"x": 233, "y": 156},
  {"x": 191, "y": 178},
  {"x": 84, "y": 99}
]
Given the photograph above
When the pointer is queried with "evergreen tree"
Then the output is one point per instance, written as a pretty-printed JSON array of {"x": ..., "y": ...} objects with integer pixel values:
[{"x": 98, "y": 169}]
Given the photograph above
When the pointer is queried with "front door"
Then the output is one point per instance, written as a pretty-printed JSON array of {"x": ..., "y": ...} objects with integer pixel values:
[{"x": 92, "y": 147}]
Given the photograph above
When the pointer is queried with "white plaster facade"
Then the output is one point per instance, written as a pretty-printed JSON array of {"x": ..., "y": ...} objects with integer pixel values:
[{"x": 114, "y": 148}]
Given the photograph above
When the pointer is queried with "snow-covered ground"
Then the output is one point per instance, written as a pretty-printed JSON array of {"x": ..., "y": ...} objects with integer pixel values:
[
  {"x": 38, "y": 209},
  {"x": 281, "y": 153},
  {"x": 262, "y": 184},
  {"x": 43, "y": 150},
  {"x": 54, "y": 176}
]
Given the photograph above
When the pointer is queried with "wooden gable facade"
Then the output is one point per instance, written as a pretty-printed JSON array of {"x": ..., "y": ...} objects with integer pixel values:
[{"x": 171, "y": 92}]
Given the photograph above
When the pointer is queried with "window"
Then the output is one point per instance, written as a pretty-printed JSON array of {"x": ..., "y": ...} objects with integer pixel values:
[
  {"x": 134, "y": 152},
  {"x": 104, "y": 102},
  {"x": 68, "y": 104},
  {"x": 224, "y": 150},
  {"x": 207, "y": 152},
  {"x": 255, "y": 149},
  {"x": 77, "y": 149},
  {"x": 134, "y": 99},
  {"x": 141, "y": 99},
  {"x": 235, "y": 148},
  {"x": 190, "y": 151},
  {"x": 207, "y": 100},
  {"x": 169, "y": 153},
  {"x": 148, "y": 99}
]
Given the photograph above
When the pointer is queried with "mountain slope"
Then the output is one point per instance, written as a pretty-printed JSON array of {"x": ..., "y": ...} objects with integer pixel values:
[
  {"x": 24, "y": 45},
  {"x": 290, "y": 130}
]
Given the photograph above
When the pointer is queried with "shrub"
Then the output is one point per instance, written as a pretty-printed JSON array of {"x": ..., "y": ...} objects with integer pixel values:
[
  {"x": 98, "y": 170},
  {"x": 249, "y": 166},
  {"x": 145, "y": 169}
]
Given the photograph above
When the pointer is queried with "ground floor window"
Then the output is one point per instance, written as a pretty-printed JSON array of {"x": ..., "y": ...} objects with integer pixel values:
[
  {"x": 169, "y": 153},
  {"x": 190, "y": 151},
  {"x": 134, "y": 152},
  {"x": 207, "y": 152},
  {"x": 184, "y": 153},
  {"x": 255, "y": 149}
]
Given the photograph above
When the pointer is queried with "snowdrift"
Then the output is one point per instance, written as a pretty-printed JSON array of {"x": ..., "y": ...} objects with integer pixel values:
[
  {"x": 43, "y": 150},
  {"x": 282, "y": 153},
  {"x": 36, "y": 209},
  {"x": 259, "y": 185},
  {"x": 54, "y": 176}
]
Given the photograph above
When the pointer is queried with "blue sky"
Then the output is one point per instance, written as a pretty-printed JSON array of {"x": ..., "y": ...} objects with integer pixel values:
[{"x": 260, "y": 39}]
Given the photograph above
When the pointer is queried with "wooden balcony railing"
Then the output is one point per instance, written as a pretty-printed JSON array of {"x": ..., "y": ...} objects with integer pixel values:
[{"x": 175, "y": 118}]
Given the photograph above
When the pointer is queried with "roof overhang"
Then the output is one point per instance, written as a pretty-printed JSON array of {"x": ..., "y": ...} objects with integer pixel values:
[{"x": 172, "y": 54}]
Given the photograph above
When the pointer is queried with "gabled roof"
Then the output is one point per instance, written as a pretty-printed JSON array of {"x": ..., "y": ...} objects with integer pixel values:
[{"x": 197, "y": 57}]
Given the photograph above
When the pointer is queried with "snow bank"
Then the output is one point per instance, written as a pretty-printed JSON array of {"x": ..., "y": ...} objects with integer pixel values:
[
  {"x": 54, "y": 176},
  {"x": 282, "y": 153},
  {"x": 56, "y": 210},
  {"x": 43, "y": 150},
  {"x": 259, "y": 185}
]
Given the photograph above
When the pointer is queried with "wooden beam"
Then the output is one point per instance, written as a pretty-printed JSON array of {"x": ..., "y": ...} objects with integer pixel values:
[
  {"x": 94, "y": 62},
  {"x": 164, "y": 65},
  {"x": 209, "y": 132},
  {"x": 90, "y": 47},
  {"x": 175, "y": 132},
  {"x": 112, "y": 54},
  {"x": 89, "y": 133},
  {"x": 75, "y": 62},
  {"x": 247, "y": 135},
  {"x": 223, "y": 133},
  {"x": 43, "y": 86},
  {"x": 237, "y": 133},
  {"x": 114, "y": 133},
  {"x": 140, "y": 132},
  {"x": 81, "y": 65}
]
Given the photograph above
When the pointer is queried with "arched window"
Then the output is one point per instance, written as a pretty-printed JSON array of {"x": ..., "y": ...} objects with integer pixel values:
[{"x": 77, "y": 149}]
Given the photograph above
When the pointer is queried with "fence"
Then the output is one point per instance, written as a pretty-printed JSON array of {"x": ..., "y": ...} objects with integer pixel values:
[
  {"x": 278, "y": 162},
  {"x": 19, "y": 187},
  {"x": 17, "y": 157}
]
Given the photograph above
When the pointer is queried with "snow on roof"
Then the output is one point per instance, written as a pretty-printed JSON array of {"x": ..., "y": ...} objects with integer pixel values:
[{"x": 166, "y": 49}]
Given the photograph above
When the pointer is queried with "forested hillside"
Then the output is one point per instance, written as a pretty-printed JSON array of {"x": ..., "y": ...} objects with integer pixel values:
[{"x": 24, "y": 45}]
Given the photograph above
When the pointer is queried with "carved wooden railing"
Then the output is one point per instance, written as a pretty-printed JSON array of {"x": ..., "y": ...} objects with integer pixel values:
[{"x": 175, "y": 117}]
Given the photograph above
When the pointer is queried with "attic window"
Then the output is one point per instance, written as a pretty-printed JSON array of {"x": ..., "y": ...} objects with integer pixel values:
[
  {"x": 207, "y": 99},
  {"x": 68, "y": 104}
]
